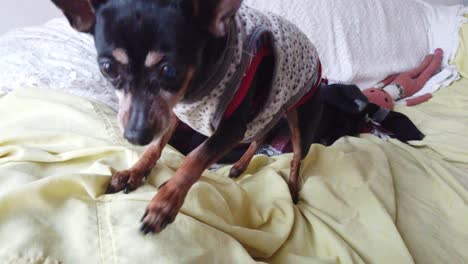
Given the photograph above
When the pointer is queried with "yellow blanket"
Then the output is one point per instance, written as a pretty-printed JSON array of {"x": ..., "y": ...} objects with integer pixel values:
[{"x": 363, "y": 200}]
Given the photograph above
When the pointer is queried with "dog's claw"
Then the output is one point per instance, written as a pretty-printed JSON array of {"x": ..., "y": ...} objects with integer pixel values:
[
  {"x": 295, "y": 199},
  {"x": 146, "y": 175},
  {"x": 145, "y": 229},
  {"x": 294, "y": 192},
  {"x": 144, "y": 216},
  {"x": 234, "y": 173}
]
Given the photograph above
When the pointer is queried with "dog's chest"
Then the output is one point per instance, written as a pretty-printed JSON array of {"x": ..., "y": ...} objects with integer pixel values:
[{"x": 296, "y": 72}]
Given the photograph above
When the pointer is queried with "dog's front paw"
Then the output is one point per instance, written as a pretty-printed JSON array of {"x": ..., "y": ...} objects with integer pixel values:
[
  {"x": 163, "y": 209},
  {"x": 126, "y": 181}
]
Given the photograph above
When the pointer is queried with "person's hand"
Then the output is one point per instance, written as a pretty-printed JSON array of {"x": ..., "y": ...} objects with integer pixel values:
[{"x": 414, "y": 80}]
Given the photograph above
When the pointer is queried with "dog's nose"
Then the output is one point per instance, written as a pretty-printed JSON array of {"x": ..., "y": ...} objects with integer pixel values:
[{"x": 139, "y": 137}]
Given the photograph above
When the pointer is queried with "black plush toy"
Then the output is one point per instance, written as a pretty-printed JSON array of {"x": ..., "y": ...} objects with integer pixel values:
[{"x": 348, "y": 112}]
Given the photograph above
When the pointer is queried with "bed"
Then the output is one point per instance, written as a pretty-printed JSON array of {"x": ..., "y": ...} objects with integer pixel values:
[{"x": 363, "y": 200}]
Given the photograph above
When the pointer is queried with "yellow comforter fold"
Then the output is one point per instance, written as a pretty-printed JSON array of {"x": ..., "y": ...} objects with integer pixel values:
[{"x": 363, "y": 200}]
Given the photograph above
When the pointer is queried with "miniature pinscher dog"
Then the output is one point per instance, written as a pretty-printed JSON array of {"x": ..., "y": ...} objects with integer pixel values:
[{"x": 157, "y": 52}]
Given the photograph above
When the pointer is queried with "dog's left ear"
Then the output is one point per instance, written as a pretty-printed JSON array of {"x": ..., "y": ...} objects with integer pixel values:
[
  {"x": 215, "y": 15},
  {"x": 80, "y": 13}
]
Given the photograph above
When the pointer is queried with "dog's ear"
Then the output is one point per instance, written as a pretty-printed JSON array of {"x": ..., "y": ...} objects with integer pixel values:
[
  {"x": 80, "y": 13},
  {"x": 347, "y": 98},
  {"x": 215, "y": 15}
]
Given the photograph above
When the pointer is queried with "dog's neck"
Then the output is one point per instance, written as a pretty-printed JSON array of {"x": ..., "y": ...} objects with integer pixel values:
[{"x": 212, "y": 53}]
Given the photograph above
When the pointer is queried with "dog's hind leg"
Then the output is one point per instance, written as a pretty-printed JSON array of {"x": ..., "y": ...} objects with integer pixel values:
[
  {"x": 293, "y": 121},
  {"x": 244, "y": 162}
]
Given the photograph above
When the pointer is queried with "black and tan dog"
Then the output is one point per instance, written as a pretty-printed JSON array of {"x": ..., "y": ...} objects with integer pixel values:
[{"x": 160, "y": 54}]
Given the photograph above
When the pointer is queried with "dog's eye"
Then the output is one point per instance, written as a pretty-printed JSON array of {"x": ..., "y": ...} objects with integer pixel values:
[
  {"x": 109, "y": 69},
  {"x": 168, "y": 71}
]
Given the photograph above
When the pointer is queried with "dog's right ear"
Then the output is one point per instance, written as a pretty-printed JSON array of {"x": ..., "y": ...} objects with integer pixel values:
[
  {"x": 215, "y": 15},
  {"x": 80, "y": 13}
]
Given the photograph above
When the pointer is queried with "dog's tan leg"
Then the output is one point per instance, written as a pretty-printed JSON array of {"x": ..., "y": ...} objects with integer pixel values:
[
  {"x": 293, "y": 121},
  {"x": 164, "y": 207},
  {"x": 244, "y": 162},
  {"x": 129, "y": 180}
]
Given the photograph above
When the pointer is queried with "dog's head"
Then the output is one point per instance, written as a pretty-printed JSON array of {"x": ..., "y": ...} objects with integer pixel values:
[{"x": 150, "y": 51}]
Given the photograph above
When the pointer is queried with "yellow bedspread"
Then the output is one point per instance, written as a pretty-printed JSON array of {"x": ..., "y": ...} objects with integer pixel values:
[{"x": 363, "y": 200}]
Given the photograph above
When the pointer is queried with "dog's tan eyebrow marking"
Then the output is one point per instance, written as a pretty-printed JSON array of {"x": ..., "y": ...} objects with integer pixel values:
[
  {"x": 120, "y": 55},
  {"x": 153, "y": 58}
]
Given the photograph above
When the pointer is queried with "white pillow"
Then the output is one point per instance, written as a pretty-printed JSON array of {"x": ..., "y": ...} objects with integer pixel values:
[
  {"x": 363, "y": 41},
  {"x": 53, "y": 56}
]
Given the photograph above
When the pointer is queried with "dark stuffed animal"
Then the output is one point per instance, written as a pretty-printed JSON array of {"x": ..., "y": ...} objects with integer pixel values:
[{"x": 348, "y": 112}]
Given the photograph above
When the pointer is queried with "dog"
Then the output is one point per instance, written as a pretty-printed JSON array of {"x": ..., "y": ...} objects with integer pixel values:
[{"x": 228, "y": 71}]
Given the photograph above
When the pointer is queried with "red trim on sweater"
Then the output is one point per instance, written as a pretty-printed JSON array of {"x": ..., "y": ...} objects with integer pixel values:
[
  {"x": 241, "y": 93},
  {"x": 308, "y": 95}
]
